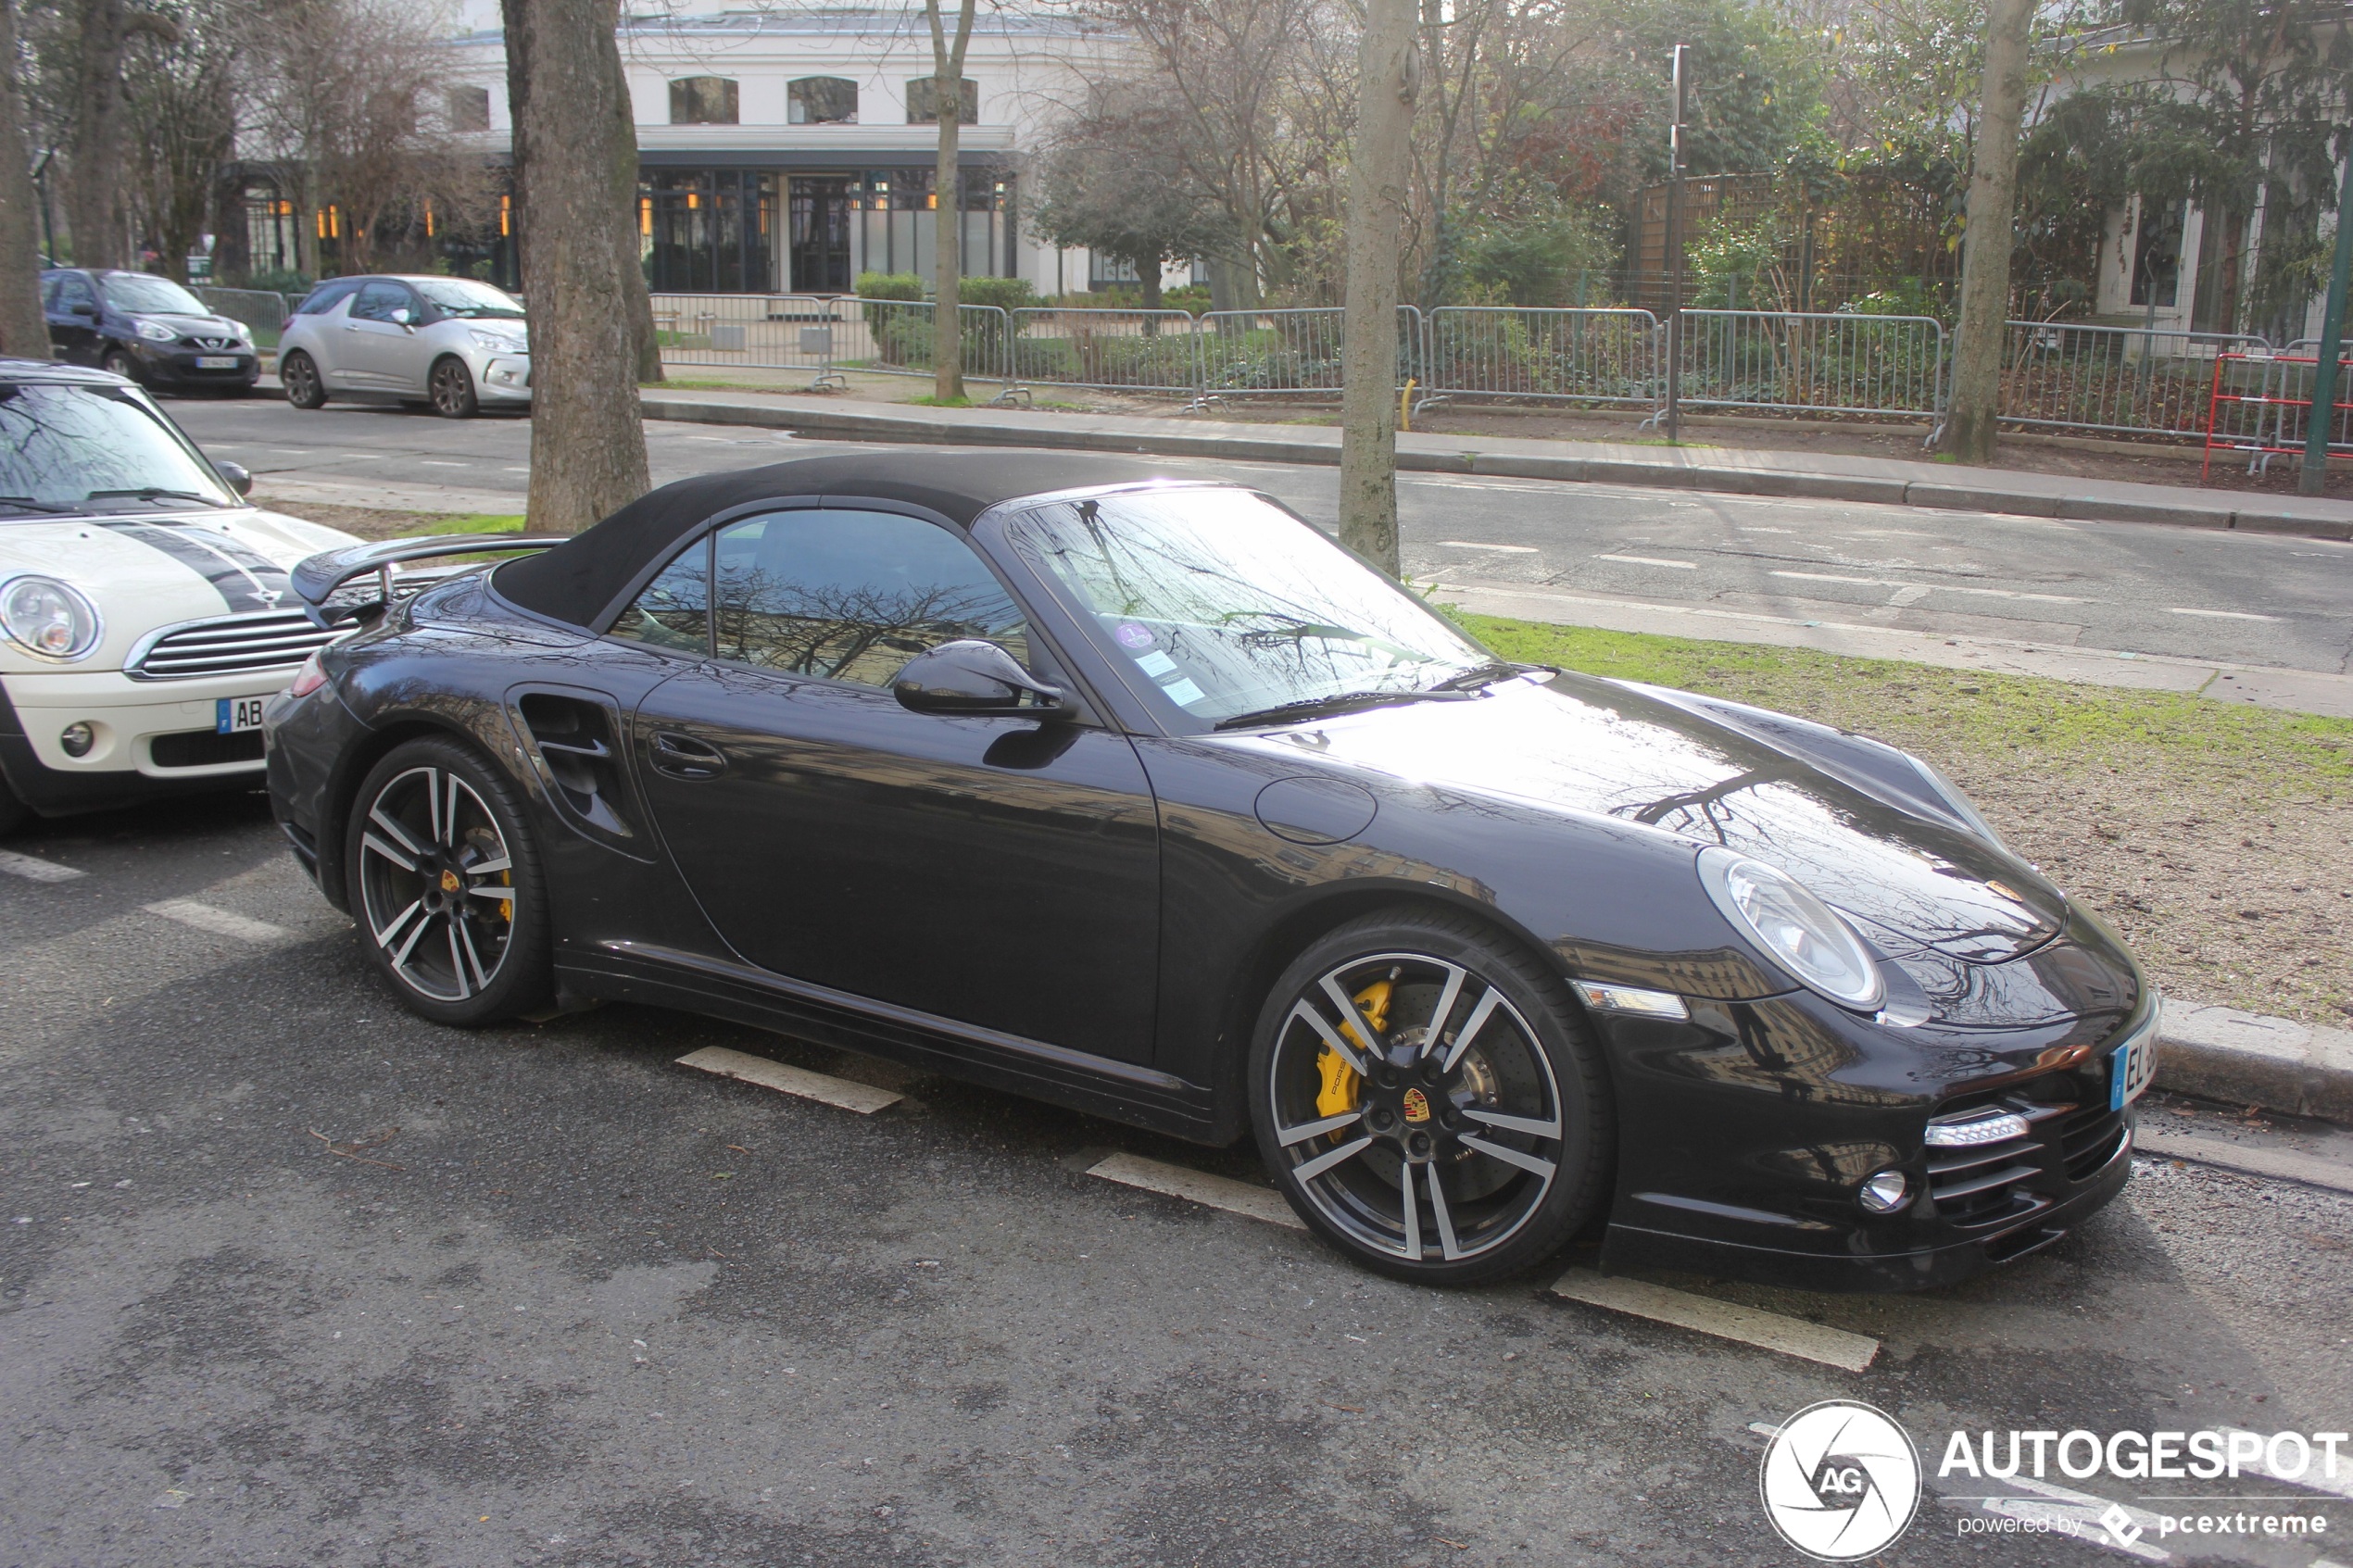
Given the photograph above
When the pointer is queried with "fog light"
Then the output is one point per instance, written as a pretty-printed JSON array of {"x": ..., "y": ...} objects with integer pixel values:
[
  {"x": 1886, "y": 1192},
  {"x": 77, "y": 738}
]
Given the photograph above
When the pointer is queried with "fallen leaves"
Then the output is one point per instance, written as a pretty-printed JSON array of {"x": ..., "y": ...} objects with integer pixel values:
[{"x": 351, "y": 1150}]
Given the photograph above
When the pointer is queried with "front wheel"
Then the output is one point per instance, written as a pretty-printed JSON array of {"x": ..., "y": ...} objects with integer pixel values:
[
  {"x": 119, "y": 363},
  {"x": 447, "y": 885},
  {"x": 299, "y": 376},
  {"x": 1428, "y": 1099},
  {"x": 451, "y": 386}
]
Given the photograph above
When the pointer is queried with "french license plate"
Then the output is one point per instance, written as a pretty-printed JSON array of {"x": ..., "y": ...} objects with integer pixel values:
[
  {"x": 234, "y": 715},
  {"x": 2131, "y": 1066},
  {"x": 216, "y": 362}
]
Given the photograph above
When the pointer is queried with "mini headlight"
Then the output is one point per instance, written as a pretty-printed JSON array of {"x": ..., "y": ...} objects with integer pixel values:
[
  {"x": 45, "y": 617},
  {"x": 1798, "y": 931},
  {"x": 1885, "y": 1193},
  {"x": 156, "y": 331}
]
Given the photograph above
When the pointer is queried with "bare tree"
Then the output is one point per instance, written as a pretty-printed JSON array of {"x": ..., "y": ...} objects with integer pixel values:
[
  {"x": 1115, "y": 179},
  {"x": 1389, "y": 75},
  {"x": 24, "y": 329},
  {"x": 1969, "y": 420},
  {"x": 94, "y": 200},
  {"x": 947, "y": 196},
  {"x": 587, "y": 438},
  {"x": 181, "y": 109}
]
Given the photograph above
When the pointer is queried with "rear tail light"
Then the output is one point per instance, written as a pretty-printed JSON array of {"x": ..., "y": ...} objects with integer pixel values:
[{"x": 310, "y": 678}]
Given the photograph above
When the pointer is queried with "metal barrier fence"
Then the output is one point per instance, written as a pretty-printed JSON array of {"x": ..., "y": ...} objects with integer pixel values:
[
  {"x": 2260, "y": 407},
  {"x": 1813, "y": 363},
  {"x": 1541, "y": 354},
  {"x": 2126, "y": 380},
  {"x": 1271, "y": 353},
  {"x": 1109, "y": 350},
  {"x": 263, "y": 312}
]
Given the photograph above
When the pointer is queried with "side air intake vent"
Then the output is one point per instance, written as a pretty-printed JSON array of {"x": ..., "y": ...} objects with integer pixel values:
[{"x": 582, "y": 761}]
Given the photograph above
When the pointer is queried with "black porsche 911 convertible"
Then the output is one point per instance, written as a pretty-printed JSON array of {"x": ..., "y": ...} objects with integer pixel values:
[{"x": 1143, "y": 798}]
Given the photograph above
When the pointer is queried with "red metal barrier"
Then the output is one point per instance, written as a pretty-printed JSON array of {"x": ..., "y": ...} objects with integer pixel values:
[{"x": 2265, "y": 419}]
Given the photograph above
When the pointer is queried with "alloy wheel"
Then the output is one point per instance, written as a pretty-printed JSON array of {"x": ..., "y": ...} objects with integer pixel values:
[
  {"x": 301, "y": 378},
  {"x": 437, "y": 885},
  {"x": 1416, "y": 1110},
  {"x": 452, "y": 389}
]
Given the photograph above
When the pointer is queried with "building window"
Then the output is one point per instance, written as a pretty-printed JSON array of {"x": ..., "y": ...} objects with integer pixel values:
[
  {"x": 923, "y": 101},
  {"x": 1109, "y": 271},
  {"x": 469, "y": 108},
  {"x": 702, "y": 100},
  {"x": 822, "y": 100}
]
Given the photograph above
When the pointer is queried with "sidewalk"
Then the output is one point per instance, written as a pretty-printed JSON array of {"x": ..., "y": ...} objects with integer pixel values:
[{"x": 1820, "y": 476}]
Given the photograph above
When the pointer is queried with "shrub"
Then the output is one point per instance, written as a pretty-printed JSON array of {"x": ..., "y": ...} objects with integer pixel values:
[
  {"x": 889, "y": 285},
  {"x": 1006, "y": 294}
]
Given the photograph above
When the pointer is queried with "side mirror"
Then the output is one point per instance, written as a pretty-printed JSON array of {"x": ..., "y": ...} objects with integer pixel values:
[
  {"x": 974, "y": 679},
  {"x": 402, "y": 316},
  {"x": 84, "y": 308},
  {"x": 240, "y": 479}
]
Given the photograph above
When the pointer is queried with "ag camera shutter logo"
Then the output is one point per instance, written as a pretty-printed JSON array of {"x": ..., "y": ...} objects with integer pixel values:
[{"x": 1841, "y": 1480}]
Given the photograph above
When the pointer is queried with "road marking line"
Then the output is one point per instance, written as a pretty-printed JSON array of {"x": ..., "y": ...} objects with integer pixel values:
[
  {"x": 1704, "y": 1314},
  {"x": 1833, "y": 577},
  {"x": 1197, "y": 1186},
  {"x": 718, "y": 1061},
  {"x": 2279, "y": 1164},
  {"x": 1653, "y": 560},
  {"x": 1476, "y": 545},
  {"x": 2218, "y": 614},
  {"x": 33, "y": 868},
  {"x": 2341, "y": 1484},
  {"x": 221, "y": 922}
]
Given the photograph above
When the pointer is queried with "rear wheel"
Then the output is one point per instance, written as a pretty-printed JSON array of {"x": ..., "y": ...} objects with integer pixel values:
[
  {"x": 449, "y": 889},
  {"x": 452, "y": 389},
  {"x": 299, "y": 375},
  {"x": 1429, "y": 1101}
]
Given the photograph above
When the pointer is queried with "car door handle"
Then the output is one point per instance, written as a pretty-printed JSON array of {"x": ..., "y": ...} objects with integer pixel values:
[{"x": 682, "y": 757}]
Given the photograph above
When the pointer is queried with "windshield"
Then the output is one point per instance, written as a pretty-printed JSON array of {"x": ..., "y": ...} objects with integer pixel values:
[
  {"x": 77, "y": 449},
  {"x": 135, "y": 293},
  {"x": 463, "y": 296},
  {"x": 1227, "y": 605}
]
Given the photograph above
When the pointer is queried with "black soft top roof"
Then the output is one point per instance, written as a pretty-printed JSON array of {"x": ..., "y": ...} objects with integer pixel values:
[{"x": 578, "y": 580}]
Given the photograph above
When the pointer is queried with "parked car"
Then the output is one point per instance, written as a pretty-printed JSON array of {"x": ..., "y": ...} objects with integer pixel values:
[
  {"x": 458, "y": 344},
  {"x": 1146, "y": 798},
  {"x": 143, "y": 606},
  {"x": 146, "y": 329}
]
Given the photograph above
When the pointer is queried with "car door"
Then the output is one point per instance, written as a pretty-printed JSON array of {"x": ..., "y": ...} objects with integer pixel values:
[
  {"x": 73, "y": 332},
  {"x": 380, "y": 351},
  {"x": 997, "y": 871}
]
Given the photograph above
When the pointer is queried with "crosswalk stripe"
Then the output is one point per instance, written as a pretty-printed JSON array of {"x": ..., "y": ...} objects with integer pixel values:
[
  {"x": 35, "y": 869},
  {"x": 1704, "y": 1314},
  {"x": 220, "y": 922},
  {"x": 1197, "y": 1186},
  {"x": 718, "y": 1061}
]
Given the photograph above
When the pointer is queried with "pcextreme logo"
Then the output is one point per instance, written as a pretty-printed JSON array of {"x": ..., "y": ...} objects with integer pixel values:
[{"x": 1840, "y": 1480}]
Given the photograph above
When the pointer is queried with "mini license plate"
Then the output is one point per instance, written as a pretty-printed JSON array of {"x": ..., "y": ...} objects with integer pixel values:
[
  {"x": 234, "y": 715},
  {"x": 2131, "y": 1066},
  {"x": 216, "y": 362}
]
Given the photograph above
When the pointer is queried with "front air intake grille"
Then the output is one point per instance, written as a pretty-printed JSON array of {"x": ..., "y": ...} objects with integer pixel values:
[
  {"x": 204, "y": 748},
  {"x": 269, "y": 639},
  {"x": 2088, "y": 1140}
]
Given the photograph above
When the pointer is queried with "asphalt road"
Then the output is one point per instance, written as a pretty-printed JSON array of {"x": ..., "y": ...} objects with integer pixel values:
[
  {"x": 584, "y": 1306},
  {"x": 2194, "y": 594}
]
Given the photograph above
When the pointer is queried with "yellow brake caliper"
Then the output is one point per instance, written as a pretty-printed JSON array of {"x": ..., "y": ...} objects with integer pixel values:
[{"x": 1340, "y": 1081}]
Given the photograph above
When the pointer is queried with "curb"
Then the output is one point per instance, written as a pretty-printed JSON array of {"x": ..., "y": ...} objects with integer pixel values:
[
  {"x": 2222, "y": 1053},
  {"x": 1937, "y": 495}
]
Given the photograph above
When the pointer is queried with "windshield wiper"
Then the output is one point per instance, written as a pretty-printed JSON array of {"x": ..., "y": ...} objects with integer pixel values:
[
  {"x": 1488, "y": 674},
  {"x": 1343, "y": 702},
  {"x": 152, "y": 493},
  {"x": 26, "y": 503}
]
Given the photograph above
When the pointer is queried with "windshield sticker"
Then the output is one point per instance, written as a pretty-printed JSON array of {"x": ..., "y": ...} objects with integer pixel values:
[
  {"x": 1131, "y": 635},
  {"x": 1156, "y": 664},
  {"x": 1184, "y": 693}
]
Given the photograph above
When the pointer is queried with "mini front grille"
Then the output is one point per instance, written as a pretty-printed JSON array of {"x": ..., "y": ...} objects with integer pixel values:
[
  {"x": 270, "y": 639},
  {"x": 204, "y": 748}
]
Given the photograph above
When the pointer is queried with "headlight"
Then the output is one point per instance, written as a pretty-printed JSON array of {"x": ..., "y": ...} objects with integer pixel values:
[
  {"x": 47, "y": 618},
  {"x": 242, "y": 332},
  {"x": 1798, "y": 931},
  {"x": 156, "y": 331},
  {"x": 496, "y": 344}
]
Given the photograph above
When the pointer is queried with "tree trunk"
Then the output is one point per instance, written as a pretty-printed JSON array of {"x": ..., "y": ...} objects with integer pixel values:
[
  {"x": 94, "y": 201},
  {"x": 948, "y": 190},
  {"x": 1986, "y": 262},
  {"x": 624, "y": 176},
  {"x": 232, "y": 236},
  {"x": 588, "y": 444},
  {"x": 1377, "y": 171},
  {"x": 24, "y": 328}
]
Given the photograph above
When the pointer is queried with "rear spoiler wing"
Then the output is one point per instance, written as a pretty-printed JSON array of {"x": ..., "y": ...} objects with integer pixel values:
[{"x": 317, "y": 579}]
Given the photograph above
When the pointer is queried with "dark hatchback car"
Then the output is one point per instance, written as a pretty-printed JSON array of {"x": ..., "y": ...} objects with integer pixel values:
[
  {"x": 1144, "y": 798},
  {"x": 148, "y": 329}
]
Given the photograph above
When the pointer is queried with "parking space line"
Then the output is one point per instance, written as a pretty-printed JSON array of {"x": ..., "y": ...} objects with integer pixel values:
[
  {"x": 718, "y": 1061},
  {"x": 1652, "y": 560},
  {"x": 1197, "y": 1186},
  {"x": 220, "y": 922},
  {"x": 33, "y": 868},
  {"x": 1704, "y": 1314},
  {"x": 1477, "y": 544}
]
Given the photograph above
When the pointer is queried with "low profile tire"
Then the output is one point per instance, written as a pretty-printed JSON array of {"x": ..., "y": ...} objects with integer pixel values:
[
  {"x": 299, "y": 375},
  {"x": 1474, "y": 1138},
  {"x": 451, "y": 386},
  {"x": 445, "y": 882},
  {"x": 119, "y": 363}
]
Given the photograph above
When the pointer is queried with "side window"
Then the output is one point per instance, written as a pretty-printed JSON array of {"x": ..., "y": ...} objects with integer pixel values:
[
  {"x": 326, "y": 297},
  {"x": 74, "y": 289},
  {"x": 675, "y": 609},
  {"x": 853, "y": 595},
  {"x": 377, "y": 301},
  {"x": 49, "y": 293}
]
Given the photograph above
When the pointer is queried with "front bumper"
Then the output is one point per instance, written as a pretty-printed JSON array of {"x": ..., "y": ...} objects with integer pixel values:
[
  {"x": 172, "y": 364},
  {"x": 502, "y": 378},
  {"x": 152, "y": 737}
]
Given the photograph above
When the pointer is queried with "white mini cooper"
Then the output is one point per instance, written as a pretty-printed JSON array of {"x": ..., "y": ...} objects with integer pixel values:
[{"x": 144, "y": 617}]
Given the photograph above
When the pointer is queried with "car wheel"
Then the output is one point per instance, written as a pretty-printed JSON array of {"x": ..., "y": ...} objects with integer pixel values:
[
  {"x": 1429, "y": 1099},
  {"x": 452, "y": 388},
  {"x": 299, "y": 376},
  {"x": 449, "y": 897},
  {"x": 119, "y": 363}
]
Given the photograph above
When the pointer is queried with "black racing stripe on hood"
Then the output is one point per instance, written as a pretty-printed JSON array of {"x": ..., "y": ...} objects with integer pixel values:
[{"x": 245, "y": 579}]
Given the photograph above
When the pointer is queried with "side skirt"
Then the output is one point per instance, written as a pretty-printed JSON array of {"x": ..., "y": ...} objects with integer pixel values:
[{"x": 1119, "y": 1091}]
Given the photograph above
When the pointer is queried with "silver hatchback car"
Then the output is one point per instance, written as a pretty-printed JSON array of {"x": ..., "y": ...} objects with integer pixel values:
[{"x": 454, "y": 342}]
